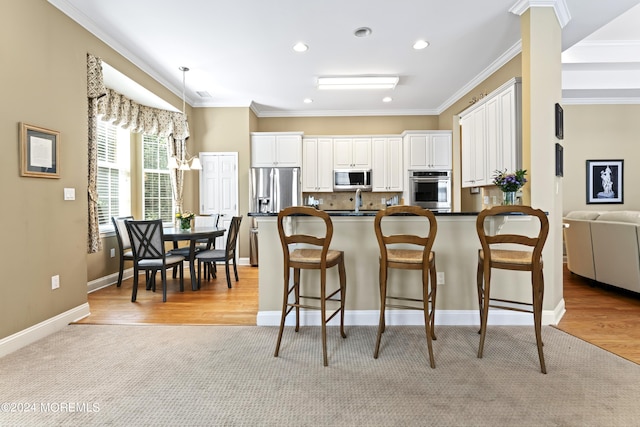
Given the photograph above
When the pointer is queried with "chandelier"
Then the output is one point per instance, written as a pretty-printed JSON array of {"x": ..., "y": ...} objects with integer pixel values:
[{"x": 182, "y": 159}]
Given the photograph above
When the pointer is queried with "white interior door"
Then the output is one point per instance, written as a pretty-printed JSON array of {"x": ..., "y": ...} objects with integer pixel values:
[{"x": 219, "y": 188}]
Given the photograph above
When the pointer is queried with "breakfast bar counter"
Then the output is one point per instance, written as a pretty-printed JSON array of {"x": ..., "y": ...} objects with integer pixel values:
[{"x": 456, "y": 248}]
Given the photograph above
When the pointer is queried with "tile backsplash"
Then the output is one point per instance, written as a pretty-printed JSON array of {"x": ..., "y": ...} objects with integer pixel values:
[{"x": 345, "y": 200}]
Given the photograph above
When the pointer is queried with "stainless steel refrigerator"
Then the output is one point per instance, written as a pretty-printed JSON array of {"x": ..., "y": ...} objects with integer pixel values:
[{"x": 273, "y": 189}]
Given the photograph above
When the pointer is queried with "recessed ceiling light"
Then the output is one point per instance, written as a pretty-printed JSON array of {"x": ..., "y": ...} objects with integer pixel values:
[
  {"x": 387, "y": 99},
  {"x": 300, "y": 47},
  {"x": 420, "y": 44},
  {"x": 362, "y": 32},
  {"x": 308, "y": 100}
]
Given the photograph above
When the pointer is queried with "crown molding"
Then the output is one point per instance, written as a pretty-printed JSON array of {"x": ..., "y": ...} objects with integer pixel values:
[
  {"x": 559, "y": 7},
  {"x": 344, "y": 113},
  {"x": 89, "y": 25},
  {"x": 511, "y": 53},
  {"x": 600, "y": 101}
]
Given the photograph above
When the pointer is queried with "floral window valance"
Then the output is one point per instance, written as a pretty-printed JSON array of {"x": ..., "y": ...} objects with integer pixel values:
[{"x": 127, "y": 114}]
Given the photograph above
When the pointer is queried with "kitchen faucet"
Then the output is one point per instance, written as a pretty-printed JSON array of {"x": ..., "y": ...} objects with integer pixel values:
[{"x": 358, "y": 201}]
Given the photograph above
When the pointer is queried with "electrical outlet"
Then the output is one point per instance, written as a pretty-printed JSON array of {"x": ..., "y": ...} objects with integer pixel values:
[
  {"x": 440, "y": 278},
  {"x": 113, "y": 252},
  {"x": 55, "y": 282},
  {"x": 383, "y": 201}
]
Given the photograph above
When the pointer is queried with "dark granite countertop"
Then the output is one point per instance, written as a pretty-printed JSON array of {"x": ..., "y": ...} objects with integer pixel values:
[{"x": 363, "y": 213}]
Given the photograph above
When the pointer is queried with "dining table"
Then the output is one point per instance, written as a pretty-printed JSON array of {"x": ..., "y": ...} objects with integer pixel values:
[{"x": 193, "y": 234}]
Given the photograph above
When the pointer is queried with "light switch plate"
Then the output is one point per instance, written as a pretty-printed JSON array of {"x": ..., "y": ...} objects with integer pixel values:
[{"x": 69, "y": 193}]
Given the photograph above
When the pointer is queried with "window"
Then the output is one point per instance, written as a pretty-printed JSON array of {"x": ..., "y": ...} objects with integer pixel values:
[
  {"x": 114, "y": 181},
  {"x": 156, "y": 182}
]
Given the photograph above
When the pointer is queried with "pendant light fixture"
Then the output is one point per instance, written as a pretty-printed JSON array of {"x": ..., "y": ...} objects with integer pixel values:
[{"x": 182, "y": 163}]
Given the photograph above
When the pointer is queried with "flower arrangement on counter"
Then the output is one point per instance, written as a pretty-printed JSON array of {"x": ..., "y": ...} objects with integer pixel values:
[
  {"x": 185, "y": 219},
  {"x": 510, "y": 182}
]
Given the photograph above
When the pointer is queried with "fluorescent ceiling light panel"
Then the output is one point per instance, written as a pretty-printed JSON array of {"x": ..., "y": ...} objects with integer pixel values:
[{"x": 357, "y": 82}]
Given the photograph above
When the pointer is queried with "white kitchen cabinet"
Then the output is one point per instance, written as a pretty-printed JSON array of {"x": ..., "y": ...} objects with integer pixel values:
[
  {"x": 352, "y": 153},
  {"x": 474, "y": 148},
  {"x": 387, "y": 173},
  {"x": 492, "y": 135},
  {"x": 276, "y": 149},
  {"x": 317, "y": 165},
  {"x": 429, "y": 150},
  {"x": 504, "y": 135}
]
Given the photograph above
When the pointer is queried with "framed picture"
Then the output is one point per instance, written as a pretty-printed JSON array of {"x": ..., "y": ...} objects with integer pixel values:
[
  {"x": 39, "y": 152},
  {"x": 559, "y": 160},
  {"x": 604, "y": 181},
  {"x": 559, "y": 122}
]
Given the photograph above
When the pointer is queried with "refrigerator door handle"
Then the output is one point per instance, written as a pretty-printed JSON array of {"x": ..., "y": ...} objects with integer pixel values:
[{"x": 275, "y": 196}]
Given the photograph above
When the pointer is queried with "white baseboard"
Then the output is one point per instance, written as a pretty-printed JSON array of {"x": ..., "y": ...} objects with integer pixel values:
[
  {"x": 109, "y": 280},
  {"x": 412, "y": 318},
  {"x": 42, "y": 329}
]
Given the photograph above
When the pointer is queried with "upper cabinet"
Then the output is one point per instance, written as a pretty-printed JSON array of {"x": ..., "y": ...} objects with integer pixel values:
[
  {"x": 275, "y": 149},
  {"x": 504, "y": 129},
  {"x": 492, "y": 135},
  {"x": 428, "y": 149},
  {"x": 352, "y": 153},
  {"x": 474, "y": 148},
  {"x": 387, "y": 172},
  {"x": 317, "y": 164}
]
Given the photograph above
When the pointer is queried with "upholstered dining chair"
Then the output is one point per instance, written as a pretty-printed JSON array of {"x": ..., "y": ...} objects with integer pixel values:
[
  {"x": 124, "y": 244},
  {"x": 407, "y": 250},
  {"x": 523, "y": 253},
  {"x": 227, "y": 255},
  {"x": 302, "y": 251},
  {"x": 147, "y": 244}
]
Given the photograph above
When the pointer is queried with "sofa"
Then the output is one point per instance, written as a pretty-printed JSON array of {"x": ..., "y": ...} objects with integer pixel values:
[{"x": 604, "y": 246}]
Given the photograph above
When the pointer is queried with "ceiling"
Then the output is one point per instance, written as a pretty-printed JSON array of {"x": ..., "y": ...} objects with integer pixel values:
[{"x": 241, "y": 53}]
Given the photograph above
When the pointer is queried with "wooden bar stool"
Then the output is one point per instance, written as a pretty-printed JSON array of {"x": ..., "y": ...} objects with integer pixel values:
[
  {"x": 511, "y": 259},
  {"x": 400, "y": 251},
  {"x": 301, "y": 257}
]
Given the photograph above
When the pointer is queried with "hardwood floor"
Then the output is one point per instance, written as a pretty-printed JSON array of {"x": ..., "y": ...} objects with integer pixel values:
[
  {"x": 213, "y": 304},
  {"x": 603, "y": 316}
]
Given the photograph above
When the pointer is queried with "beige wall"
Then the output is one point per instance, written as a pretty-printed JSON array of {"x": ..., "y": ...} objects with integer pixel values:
[
  {"x": 600, "y": 132},
  {"x": 46, "y": 86},
  {"x": 541, "y": 90},
  {"x": 224, "y": 130},
  {"x": 463, "y": 200},
  {"x": 348, "y": 125},
  {"x": 43, "y": 83}
]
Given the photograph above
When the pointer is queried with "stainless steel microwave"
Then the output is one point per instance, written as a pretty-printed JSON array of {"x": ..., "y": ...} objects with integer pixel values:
[{"x": 351, "y": 179}]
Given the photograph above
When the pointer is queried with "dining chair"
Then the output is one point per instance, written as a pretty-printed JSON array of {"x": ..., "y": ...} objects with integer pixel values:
[
  {"x": 407, "y": 251},
  {"x": 302, "y": 251},
  {"x": 524, "y": 253},
  {"x": 124, "y": 244},
  {"x": 226, "y": 255},
  {"x": 147, "y": 244}
]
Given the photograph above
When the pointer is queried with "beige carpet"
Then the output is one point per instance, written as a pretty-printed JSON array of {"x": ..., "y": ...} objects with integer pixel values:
[{"x": 226, "y": 375}]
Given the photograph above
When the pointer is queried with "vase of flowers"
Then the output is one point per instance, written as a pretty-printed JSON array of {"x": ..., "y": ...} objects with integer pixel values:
[
  {"x": 185, "y": 219},
  {"x": 509, "y": 183}
]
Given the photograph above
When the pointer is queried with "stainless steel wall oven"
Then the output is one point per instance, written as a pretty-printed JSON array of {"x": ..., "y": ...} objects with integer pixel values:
[{"x": 430, "y": 189}]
